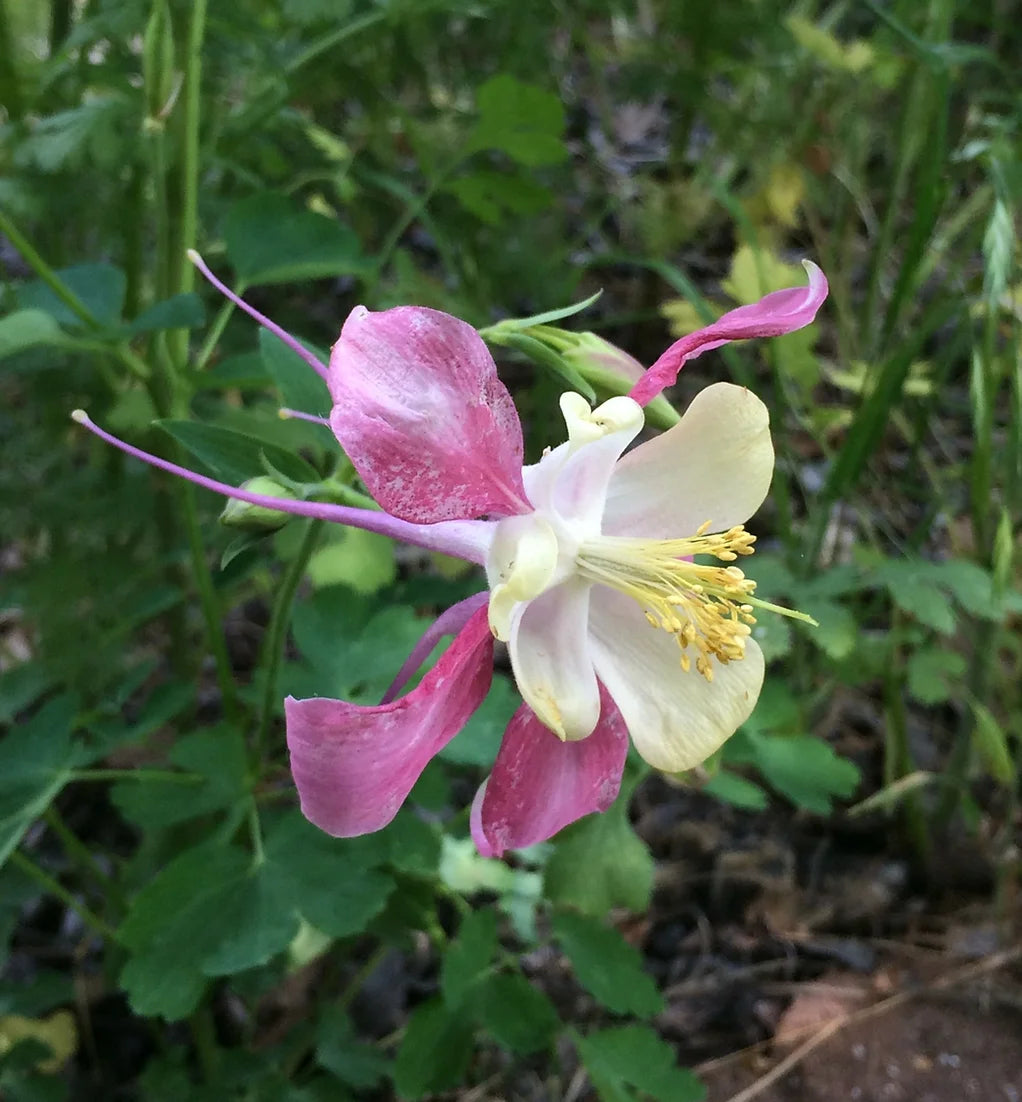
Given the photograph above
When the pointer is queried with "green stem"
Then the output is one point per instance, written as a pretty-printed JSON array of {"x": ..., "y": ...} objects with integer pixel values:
[
  {"x": 208, "y": 601},
  {"x": 216, "y": 330},
  {"x": 203, "y": 1031},
  {"x": 10, "y": 85},
  {"x": 273, "y": 648},
  {"x": 46, "y": 273},
  {"x": 182, "y": 272},
  {"x": 56, "y": 889},
  {"x": 162, "y": 775},
  {"x": 77, "y": 850}
]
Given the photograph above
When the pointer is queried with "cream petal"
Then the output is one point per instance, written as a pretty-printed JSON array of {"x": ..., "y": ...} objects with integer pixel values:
[
  {"x": 571, "y": 481},
  {"x": 715, "y": 465},
  {"x": 676, "y": 719},
  {"x": 551, "y": 662}
]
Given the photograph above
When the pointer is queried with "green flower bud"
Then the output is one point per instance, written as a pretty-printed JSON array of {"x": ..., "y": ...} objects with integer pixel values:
[{"x": 257, "y": 518}]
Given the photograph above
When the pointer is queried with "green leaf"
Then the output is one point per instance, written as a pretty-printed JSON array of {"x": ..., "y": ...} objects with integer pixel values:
[
  {"x": 836, "y": 631},
  {"x": 234, "y": 456},
  {"x": 519, "y": 1016},
  {"x": 803, "y": 768},
  {"x": 607, "y": 966},
  {"x": 330, "y": 881},
  {"x": 215, "y": 754},
  {"x": 28, "y": 329},
  {"x": 555, "y": 363},
  {"x": 914, "y": 592},
  {"x": 23, "y": 685},
  {"x": 517, "y": 325},
  {"x": 478, "y": 742},
  {"x": 299, "y": 386},
  {"x": 100, "y": 287},
  {"x": 935, "y": 675},
  {"x": 599, "y": 863},
  {"x": 736, "y": 790},
  {"x": 183, "y": 311},
  {"x": 435, "y": 1050},
  {"x": 36, "y": 759},
  {"x": 991, "y": 744},
  {"x": 175, "y": 922},
  {"x": 469, "y": 956},
  {"x": 338, "y": 1050},
  {"x": 362, "y": 560},
  {"x": 491, "y": 195},
  {"x": 773, "y": 634},
  {"x": 215, "y": 910},
  {"x": 971, "y": 586},
  {"x": 271, "y": 240},
  {"x": 634, "y": 1056},
  {"x": 521, "y": 120}
]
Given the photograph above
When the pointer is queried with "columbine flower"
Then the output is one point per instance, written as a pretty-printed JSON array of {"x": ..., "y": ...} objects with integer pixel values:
[{"x": 611, "y": 627}]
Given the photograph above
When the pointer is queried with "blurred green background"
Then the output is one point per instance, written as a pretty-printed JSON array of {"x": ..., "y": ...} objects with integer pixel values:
[{"x": 494, "y": 160}]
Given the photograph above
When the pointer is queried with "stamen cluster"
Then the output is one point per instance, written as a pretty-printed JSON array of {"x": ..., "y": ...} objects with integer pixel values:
[{"x": 706, "y": 608}]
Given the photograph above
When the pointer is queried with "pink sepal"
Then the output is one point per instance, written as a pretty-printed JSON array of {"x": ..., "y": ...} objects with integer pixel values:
[
  {"x": 419, "y": 410},
  {"x": 355, "y": 765},
  {"x": 775, "y": 314},
  {"x": 539, "y": 784}
]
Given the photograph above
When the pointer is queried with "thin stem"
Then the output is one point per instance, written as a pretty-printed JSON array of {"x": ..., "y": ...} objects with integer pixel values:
[
  {"x": 10, "y": 84},
  {"x": 208, "y": 601},
  {"x": 81, "y": 855},
  {"x": 215, "y": 333},
  {"x": 203, "y": 1031},
  {"x": 273, "y": 648},
  {"x": 160, "y": 775},
  {"x": 46, "y": 273},
  {"x": 182, "y": 276},
  {"x": 56, "y": 889}
]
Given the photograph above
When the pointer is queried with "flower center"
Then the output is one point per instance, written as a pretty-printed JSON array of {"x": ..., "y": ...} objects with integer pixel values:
[{"x": 708, "y": 609}]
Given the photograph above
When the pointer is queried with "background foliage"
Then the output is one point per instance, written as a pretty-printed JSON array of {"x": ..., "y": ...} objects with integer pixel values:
[{"x": 493, "y": 160}]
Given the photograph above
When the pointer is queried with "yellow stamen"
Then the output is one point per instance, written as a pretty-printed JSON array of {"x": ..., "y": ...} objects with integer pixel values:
[{"x": 706, "y": 608}]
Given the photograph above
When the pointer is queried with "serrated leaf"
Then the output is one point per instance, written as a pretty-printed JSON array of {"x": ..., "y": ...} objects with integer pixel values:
[
  {"x": 271, "y": 240},
  {"x": 521, "y": 120},
  {"x": 183, "y": 311},
  {"x": 28, "y": 329},
  {"x": 599, "y": 863},
  {"x": 215, "y": 755},
  {"x": 634, "y": 1056},
  {"x": 803, "y": 768},
  {"x": 736, "y": 790},
  {"x": 36, "y": 759},
  {"x": 971, "y": 586},
  {"x": 912, "y": 590},
  {"x": 607, "y": 966},
  {"x": 234, "y": 456},
  {"x": 175, "y": 922},
  {"x": 932, "y": 674},
  {"x": 330, "y": 881},
  {"x": 469, "y": 956},
  {"x": 491, "y": 195},
  {"x": 435, "y": 1050},
  {"x": 519, "y": 1016}
]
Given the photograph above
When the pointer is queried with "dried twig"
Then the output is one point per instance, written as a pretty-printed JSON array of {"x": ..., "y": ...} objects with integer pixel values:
[{"x": 950, "y": 979}]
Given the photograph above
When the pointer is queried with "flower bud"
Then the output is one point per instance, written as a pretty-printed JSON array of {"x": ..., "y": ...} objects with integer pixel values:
[{"x": 257, "y": 518}]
